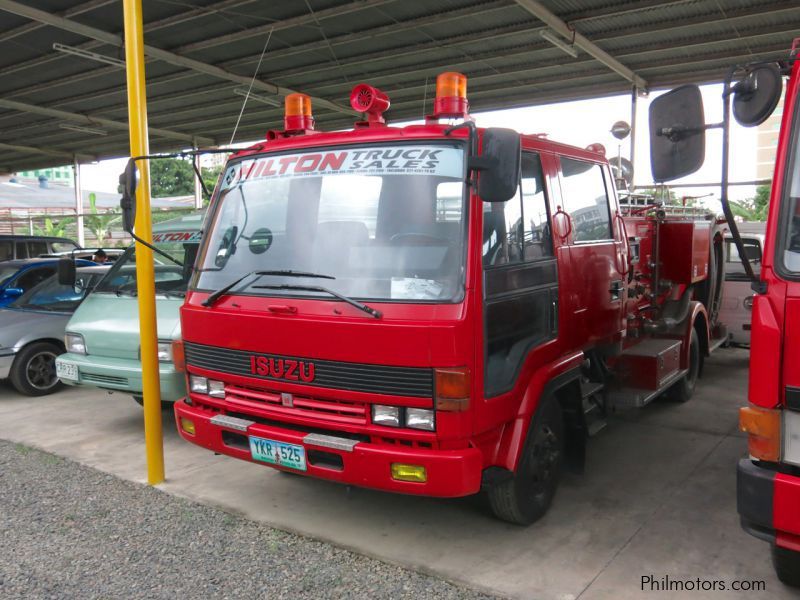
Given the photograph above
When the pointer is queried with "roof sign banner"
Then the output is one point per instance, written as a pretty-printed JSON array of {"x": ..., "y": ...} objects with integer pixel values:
[
  {"x": 440, "y": 161},
  {"x": 187, "y": 237}
]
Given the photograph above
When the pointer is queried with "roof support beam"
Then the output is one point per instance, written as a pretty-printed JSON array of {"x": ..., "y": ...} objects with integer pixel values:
[
  {"x": 538, "y": 10},
  {"x": 112, "y": 39},
  {"x": 46, "y": 151},
  {"x": 94, "y": 121},
  {"x": 70, "y": 12}
]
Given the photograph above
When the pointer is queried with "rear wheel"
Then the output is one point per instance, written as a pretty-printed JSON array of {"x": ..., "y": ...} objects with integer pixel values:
[
  {"x": 787, "y": 565},
  {"x": 33, "y": 372},
  {"x": 684, "y": 389},
  {"x": 525, "y": 497}
]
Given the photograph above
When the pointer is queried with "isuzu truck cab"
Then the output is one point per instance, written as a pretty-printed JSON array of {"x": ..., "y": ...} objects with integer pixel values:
[{"x": 435, "y": 309}]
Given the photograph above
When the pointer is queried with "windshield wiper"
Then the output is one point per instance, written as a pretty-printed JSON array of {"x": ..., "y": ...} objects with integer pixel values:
[
  {"x": 316, "y": 288},
  {"x": 279, "y": 273}
]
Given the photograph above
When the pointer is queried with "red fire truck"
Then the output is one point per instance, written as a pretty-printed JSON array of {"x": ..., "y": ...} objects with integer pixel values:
[
  {"x": 436, "y": 309},
  {"x": 768, "y": 481}
]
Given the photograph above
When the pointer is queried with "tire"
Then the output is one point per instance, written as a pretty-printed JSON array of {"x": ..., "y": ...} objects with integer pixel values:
[
  {"x": 525, "y": 497},
  {"x": 787, "y": 565},
  {"x": 33, "y": 372},
  {"x": 683, "y": 390}
]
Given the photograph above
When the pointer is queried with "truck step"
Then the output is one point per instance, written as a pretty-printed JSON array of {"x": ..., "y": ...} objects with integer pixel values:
[
  {"x": 637, "y": 398},
  {"x": 593, "y": 407},
  {"x": 590, "y": 388},
  {"x": 595, "y": 427}
]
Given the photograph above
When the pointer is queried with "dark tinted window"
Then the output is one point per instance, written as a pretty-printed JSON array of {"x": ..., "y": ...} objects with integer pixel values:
[
  {"x": 37, "y": 248},
  {"x": 6, "y": 251},
  {"x": 22, "y": 250},
  {"x": 585, "y": 199},
  {"x": 32, "y": 277}
]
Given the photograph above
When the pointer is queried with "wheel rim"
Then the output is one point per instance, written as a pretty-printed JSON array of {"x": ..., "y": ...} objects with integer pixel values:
[
  {"x": 544, "y": 460},
  {"x": 41, "y": 371},
  {"x": 694, "y": 365}
]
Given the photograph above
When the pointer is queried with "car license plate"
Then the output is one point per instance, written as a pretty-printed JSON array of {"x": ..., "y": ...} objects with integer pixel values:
[
  {"x": 65, "y": 370},
  {"x": 278, "y": 453}
]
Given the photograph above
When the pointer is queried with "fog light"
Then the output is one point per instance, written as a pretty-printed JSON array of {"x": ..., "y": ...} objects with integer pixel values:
[
  {"x": 216, "y": 389},
  {"x": 198, "y": 385},
  {"x": 420, "y": 418},
  {"x": 187, "y": 426},
  {"x": 386, "y": 415},
  {"x": 416, "y": 473}
]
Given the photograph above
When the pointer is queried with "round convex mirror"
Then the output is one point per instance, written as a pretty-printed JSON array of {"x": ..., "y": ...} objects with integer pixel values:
[
  {"x": 756, "y": 96},
  {"x": 260, "y": 241}
]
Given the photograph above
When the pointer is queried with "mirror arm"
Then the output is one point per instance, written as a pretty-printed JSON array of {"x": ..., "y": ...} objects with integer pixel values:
[
  {"x": 676, "y": 134},
  {"x": 473, "y": 146},
  {"x": 756, "y": 284},
  {"x": 200, "y": 179}
]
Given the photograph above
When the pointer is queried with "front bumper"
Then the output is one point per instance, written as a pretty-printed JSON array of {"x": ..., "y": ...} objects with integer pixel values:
[
  {"x": 769, "y": 504},
  {"x": 6, "y": 360},
  {"x": 123, "y": 375},
  {"x": 451, "y": 473}
]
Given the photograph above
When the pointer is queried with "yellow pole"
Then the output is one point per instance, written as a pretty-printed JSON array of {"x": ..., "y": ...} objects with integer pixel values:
[{"x": 137, "y": 117}]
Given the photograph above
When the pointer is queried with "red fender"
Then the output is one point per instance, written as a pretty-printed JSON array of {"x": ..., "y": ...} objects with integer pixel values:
[{"x": 513, "y": 436}]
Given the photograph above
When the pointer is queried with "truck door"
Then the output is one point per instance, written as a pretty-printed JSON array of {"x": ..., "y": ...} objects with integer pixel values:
[
  {"x": 520, "y": 279},
  {"x": 598, "y": 258}
]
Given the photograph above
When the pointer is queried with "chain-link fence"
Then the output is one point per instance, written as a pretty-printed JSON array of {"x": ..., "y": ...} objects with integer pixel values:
[{"x": 100, "y": 228}]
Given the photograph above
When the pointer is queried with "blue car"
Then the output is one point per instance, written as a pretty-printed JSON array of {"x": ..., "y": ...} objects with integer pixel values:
[{"x": 18, "y": 276}]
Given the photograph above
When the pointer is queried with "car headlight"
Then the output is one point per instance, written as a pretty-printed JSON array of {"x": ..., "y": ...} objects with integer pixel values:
[
  {"x": 165, "y": 352},
  {"x": 420, "y": 418},
  {"x": 198, "y": 385},
  {"x": 75, "y": 343},
  {"x": 386, "y": 415}
]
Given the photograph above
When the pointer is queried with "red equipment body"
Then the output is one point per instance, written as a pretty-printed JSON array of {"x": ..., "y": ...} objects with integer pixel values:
[
  {"x": 769, "y": 480},
  {"x": 580, "y": 302}
]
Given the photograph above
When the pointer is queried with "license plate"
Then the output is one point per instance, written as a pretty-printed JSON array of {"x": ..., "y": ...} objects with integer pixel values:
[
  {"x": 278, "y": 453},
  {"x": 65, "y": 370}
]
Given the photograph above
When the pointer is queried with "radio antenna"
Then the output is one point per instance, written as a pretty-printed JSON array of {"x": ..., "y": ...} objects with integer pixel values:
[{"x": 250, "y": 88}]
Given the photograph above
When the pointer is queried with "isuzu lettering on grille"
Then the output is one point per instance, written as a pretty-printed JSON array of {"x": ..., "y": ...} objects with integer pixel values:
[{"x": 282, "y": 368}]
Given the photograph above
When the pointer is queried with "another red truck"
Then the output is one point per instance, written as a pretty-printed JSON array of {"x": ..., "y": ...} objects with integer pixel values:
[{"x": 436, "y": 309}]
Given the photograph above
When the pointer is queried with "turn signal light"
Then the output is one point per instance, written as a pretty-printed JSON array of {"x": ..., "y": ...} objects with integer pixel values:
[
  {"x": 763, "y": 428},
  {"x": 297, "y": 113},
  {"x": 415, "y": 473},
  {"x": 178, "y": 356},
  {"x": 451, "y": 95},
  {"x": 452, "y": 389},
  {"x": 187, "y": 425}
]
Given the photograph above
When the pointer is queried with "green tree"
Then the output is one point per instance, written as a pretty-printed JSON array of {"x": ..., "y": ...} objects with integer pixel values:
[
  {"x": 753, "y": 209},
  {"x": 171, "y": 177},
  {"x": 54, "y": 228},
  {"x": 100, "y": 224},
  {"x": 210, "y": 176}
]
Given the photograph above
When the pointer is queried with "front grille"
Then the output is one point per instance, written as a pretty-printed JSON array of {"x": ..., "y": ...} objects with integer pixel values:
[
  {"x": 335, "y": 411},
  {"x": 377, "y": 379},
  {"x": 104, "y": 379}
]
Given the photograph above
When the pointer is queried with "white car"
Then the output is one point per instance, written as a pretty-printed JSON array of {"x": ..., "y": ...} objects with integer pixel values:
[{"x": 737, "y": 297}]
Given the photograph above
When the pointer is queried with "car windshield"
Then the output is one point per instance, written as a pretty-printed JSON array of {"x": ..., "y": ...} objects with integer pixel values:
[
  {"x": 170, "y": 278},
  {"x": 7, "y": 273},
  {"x": 50, "y": 295},
  {"x": 387, "y": 222}
]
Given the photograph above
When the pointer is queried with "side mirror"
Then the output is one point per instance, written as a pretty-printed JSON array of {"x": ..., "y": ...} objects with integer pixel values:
[
  {"x": 13, "y": 292},
  {"x": 756, "y": 96},
  {"x": 677, "y": 133},
  {"x": 66, "y": 272},
  {"x": 499, "y": 165},
  {"x": 752, "y": 252},
  {"x": 128, "y": 181}
]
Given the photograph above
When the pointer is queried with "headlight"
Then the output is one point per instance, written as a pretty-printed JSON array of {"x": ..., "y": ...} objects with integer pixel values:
[
  {"x": 386, "y": 415},
  {"x": 75, "y": 343},
  {"x": 216, "y": 389},
  {"x": 165, "y": 352},
  {"x": 420, "y": 418},
  {"x": 198, "y": 385}
]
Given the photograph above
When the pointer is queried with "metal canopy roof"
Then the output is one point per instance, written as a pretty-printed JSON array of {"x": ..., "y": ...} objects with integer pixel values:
[{"x": 54, "y": 104}]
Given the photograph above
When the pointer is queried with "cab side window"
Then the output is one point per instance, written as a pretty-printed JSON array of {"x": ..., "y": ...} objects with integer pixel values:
[
  {"x": 32, "y": 277},
  {"x": 6, "y": 251},
  {"x": 586, "y": 200},
  {"x": 518, "y": 230},
  {"x": 22, "y": 250}
]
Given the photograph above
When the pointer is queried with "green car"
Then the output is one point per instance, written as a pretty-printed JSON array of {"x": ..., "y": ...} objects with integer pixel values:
[{"x": 102, "y": 337}]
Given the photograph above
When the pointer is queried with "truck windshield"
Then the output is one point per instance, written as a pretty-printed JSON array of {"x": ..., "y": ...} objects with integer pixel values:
[
  {"x": 388, "y": 222},
  {"x": 169, "y": 278}
]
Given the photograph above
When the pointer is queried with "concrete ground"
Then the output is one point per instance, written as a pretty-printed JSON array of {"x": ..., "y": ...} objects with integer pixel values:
[{"x": 657, "y": 498}]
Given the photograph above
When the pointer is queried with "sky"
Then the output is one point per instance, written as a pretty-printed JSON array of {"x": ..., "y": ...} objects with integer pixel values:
[{"x": 582, "y": 123}]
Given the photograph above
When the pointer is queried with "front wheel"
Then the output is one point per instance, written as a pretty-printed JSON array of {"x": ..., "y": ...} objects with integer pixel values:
[
  {"x": 684, "y": 389},
  {"x": 787, "y": 565},
  {"x": 526, "y": 496},
  {"x": 33, "y": 372}
]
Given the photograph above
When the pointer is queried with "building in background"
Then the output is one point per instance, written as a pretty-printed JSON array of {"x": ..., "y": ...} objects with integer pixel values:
[
  {"x": 767, "y": 144},
  {"x": 57, "y": 175}
]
